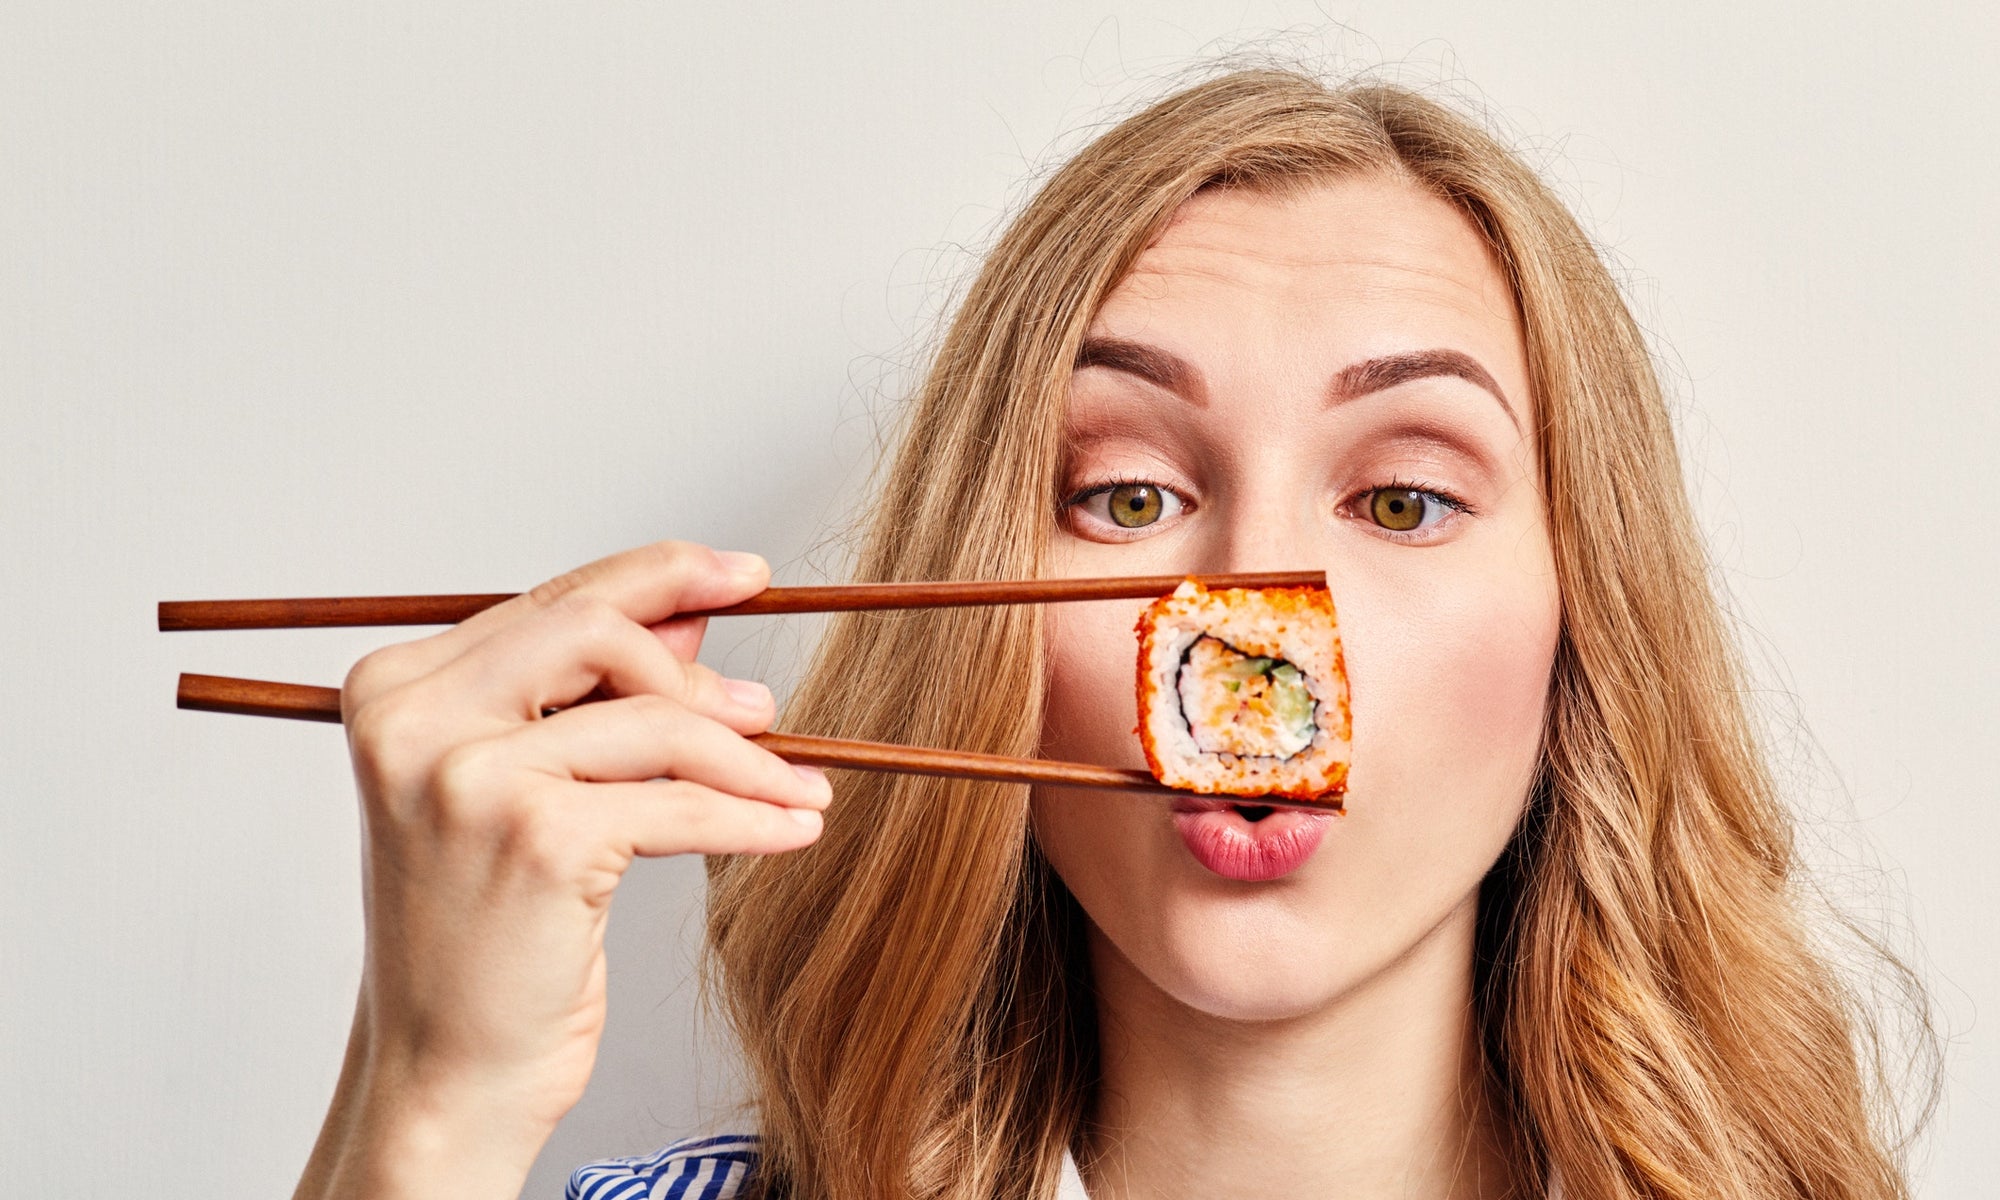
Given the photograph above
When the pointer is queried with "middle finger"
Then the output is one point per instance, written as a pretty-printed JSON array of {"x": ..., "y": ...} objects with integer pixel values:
[{"x": 579, "y": 645}]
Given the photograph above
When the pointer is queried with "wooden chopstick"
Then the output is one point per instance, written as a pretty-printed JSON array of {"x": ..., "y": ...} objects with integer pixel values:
[
  {"x": 330, "y": 611},
  {"x": 263, "y": 698}
]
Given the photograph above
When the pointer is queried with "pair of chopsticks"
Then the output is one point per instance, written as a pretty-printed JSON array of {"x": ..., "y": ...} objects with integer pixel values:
[{"x": 263, "y": 698}]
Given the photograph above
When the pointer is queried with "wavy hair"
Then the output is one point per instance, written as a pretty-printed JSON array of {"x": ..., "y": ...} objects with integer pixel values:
[{"x": 911, "y": 994}]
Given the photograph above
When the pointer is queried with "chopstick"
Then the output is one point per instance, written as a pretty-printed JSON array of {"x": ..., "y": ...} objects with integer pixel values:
[
  {"x": 266, "y": 698},
  {"x": 304, "y": 702},
  {"x": 344, "y": 611}
]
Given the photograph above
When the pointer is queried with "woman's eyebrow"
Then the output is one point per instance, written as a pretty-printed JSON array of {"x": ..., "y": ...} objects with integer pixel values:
[
  {"x": 1389, "y": 370},
  {"x": 1150, "y": 363},
  {"x": 1164, "y": 369}
]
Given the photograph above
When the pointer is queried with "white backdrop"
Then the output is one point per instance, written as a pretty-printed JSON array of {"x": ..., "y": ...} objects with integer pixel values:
[{"x": 352, "y": 298}]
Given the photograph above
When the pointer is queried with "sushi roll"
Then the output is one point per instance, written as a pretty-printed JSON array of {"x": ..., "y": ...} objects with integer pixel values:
[{"x": 1243, "y": 692}]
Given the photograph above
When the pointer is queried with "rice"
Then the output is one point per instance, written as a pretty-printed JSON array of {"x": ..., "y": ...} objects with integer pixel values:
[{"x": 1243, "y": 692}]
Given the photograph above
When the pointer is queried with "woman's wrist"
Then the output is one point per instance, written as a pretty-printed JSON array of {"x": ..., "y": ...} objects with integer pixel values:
[
  {"x": 409, "y": 1146},
  {"x": 390, "y": 1134}
]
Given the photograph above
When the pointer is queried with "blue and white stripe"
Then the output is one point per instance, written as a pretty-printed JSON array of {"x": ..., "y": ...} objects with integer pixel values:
[{"x": 713, "y": 1168}]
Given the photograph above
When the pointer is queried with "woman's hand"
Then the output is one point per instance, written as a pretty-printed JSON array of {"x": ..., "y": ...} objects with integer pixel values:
[{"x": 495, "y": 837}]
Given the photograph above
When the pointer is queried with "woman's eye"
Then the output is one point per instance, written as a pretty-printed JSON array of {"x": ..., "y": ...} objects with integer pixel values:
[
  {"x": 1405, "y": 510},
  {"x": 1134, "y": 505},
  {"x": 1130, "y": 505}
]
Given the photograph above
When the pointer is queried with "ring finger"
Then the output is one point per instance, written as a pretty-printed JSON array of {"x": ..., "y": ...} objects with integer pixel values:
[{"x": 649, "y": 737}]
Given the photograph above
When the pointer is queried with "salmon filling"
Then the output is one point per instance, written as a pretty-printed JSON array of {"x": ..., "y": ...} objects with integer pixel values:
[{"x": 1242, "y": 704}]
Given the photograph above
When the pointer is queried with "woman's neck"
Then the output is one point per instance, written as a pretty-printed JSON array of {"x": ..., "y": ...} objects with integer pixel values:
[{"x": 1378, "y": 1094}]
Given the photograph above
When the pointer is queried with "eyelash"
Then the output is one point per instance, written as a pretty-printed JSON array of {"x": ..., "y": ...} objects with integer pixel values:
[
  {"x": 1396, "y": 483},
  {"x": 1105, "y": 485}
]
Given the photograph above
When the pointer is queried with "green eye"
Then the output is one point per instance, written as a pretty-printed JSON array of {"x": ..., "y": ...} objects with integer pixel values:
[
  {"x": 1400, "y": 509},
  {"x": 1134, "y": 505}
]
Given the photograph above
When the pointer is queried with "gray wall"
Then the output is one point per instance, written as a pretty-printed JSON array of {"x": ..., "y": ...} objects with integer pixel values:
[{"x": 351, "y": 298}]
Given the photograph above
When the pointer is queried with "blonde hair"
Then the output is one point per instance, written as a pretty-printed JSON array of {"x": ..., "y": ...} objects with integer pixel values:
[{"x": 911, "y": 995}]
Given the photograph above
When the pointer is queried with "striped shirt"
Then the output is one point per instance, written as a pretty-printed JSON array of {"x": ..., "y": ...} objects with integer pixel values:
[{"x": 713, "y": 1168}]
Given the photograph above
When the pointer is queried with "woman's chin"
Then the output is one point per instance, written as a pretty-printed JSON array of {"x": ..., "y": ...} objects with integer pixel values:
[
  {"x": 1229, "y": 1000},
  {"x": 1246, "y": 1000},
  {"x": 1235, "y": 974}
]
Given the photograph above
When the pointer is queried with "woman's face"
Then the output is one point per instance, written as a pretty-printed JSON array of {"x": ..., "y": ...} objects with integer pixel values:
[{"x": 1271, "y": 368}]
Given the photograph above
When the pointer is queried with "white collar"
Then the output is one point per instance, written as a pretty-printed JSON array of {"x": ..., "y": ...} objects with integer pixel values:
[{"x": 1071, "y": 1187}]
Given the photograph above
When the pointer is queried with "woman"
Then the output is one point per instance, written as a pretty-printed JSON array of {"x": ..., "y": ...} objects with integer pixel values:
[{"x": 1263, "y": 324}]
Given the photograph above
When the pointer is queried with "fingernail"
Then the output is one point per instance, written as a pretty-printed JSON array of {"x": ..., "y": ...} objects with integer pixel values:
[
  {"x": 742, "y": 562},
  {"x": 816, "y": 777},
  {"x": 747, "y": 692},
  {"x": 805, "y": 816}
]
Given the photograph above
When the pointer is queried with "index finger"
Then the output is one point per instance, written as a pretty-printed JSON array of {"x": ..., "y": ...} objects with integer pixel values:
[{"x": 647, "y": 583}]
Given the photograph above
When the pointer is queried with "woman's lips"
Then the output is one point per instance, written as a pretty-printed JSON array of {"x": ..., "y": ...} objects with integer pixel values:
[{"x": 1222, "y": 839}]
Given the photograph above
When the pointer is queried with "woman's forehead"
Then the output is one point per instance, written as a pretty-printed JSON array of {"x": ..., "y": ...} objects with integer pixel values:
[
  {"x": 1332, "y": 272},
  {"x": 1321, "y": 216}
]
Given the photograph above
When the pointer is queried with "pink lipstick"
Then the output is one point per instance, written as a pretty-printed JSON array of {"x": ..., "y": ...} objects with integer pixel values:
[{"x": 1239, "y": 839}]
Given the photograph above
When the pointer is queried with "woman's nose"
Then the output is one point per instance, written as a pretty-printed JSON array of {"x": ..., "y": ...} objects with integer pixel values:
[{"x": 1269, "y": 528}]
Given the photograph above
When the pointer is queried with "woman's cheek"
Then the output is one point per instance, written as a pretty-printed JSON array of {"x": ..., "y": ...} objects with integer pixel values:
[
  {"x": 1092, "y": 707},
  {"x": 1101, "y": 844},
  {"x": 1448, "y": 657}
]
